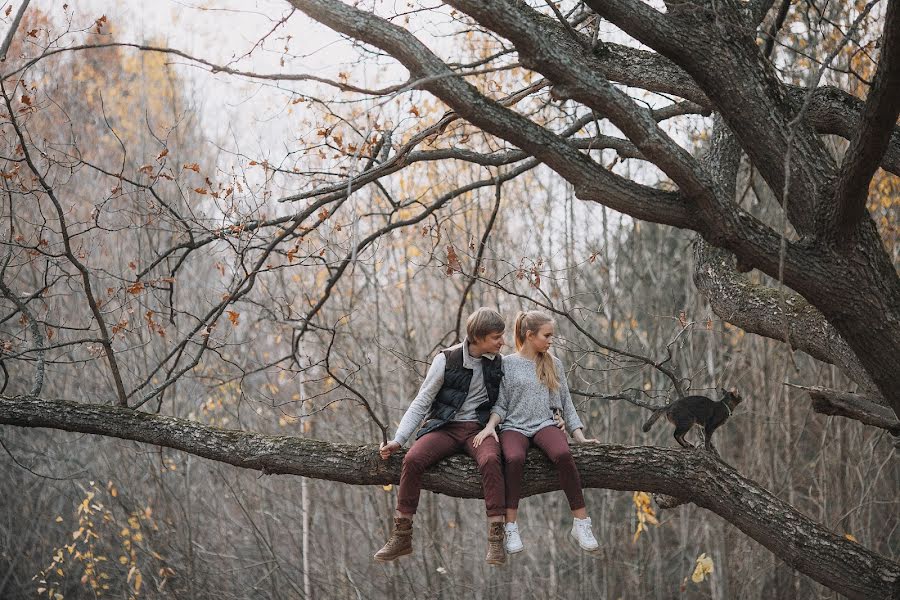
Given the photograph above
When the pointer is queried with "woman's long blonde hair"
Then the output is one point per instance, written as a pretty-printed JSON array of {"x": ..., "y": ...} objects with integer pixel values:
[{"x": 532, "y": 321}]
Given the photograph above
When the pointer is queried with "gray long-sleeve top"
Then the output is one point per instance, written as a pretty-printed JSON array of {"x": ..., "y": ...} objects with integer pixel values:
[
  {"x": 419, "y": 407},
  {"x": 525, "y": 404}
]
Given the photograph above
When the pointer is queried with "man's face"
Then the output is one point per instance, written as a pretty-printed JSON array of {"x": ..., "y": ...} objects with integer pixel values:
[{"x": 489, "y": 344}]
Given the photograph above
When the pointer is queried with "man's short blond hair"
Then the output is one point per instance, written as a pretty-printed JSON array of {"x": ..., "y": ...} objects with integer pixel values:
[{"x": 484, "y": 322}]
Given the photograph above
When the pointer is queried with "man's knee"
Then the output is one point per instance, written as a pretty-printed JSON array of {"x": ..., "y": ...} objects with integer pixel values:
[
  {"x": 488, "y": 461},
  {"x": 415, "y": 462}
]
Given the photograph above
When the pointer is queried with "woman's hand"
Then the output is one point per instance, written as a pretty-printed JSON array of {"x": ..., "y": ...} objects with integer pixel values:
[
  {"x": 560, "y": 422},
  {"x": 578, "y": 436},
  {"x": 483, "y": 435},
  {"x": 387, "y": 449}
]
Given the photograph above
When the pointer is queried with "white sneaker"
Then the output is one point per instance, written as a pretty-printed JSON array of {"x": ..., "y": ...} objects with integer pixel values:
[
  {"x": 513, "y": 542},
  {"x": 581, "y": 533}
]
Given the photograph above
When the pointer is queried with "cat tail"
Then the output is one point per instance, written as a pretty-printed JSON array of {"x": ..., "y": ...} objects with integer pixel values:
[{"x": 656, "y": 415}]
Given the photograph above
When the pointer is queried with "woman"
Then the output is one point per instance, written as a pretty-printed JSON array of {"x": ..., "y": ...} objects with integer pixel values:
[{"x": 532, "y": 388}]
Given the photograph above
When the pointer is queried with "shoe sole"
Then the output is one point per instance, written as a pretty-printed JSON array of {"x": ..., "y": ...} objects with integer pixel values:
[
  {"x": 578, "y": 543},
  {"x": 508, "y": 551},
  {"x": 393, "y": 558}
]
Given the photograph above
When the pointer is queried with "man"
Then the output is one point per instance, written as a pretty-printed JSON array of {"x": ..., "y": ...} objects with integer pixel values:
[{"x": 456, "y": 398}]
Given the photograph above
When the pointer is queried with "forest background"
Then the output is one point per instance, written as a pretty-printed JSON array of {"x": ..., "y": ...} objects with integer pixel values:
[{"x": 230, "y": 214}]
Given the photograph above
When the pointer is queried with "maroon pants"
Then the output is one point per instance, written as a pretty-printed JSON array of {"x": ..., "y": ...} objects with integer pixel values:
[
  {"x": 450, "y": 439},
  {"x": 552, "y": 441}
]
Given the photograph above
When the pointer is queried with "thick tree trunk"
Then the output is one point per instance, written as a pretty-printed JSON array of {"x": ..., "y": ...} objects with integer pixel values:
[{"x": 842, "y": 565}]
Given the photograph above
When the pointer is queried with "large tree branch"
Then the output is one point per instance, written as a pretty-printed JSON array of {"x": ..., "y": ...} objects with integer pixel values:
[
  {"x": 726, "y": 225},
  {"x": 547, "y": 46},
  {"x": 579, "y": 169},
  {"x": 772, "y": 313},
  {"x": 715, "y": 45},
  {"x": 826, "y": 557},
  {"x": 829, "y": 110},
  {"x": 852, "y": 406},
  {"x": 867, "y": 147},
  {"x": 834, "y": 111}
]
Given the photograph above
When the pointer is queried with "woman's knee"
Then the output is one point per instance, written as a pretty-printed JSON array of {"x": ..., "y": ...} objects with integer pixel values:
[{"x": 514, "y": 460}]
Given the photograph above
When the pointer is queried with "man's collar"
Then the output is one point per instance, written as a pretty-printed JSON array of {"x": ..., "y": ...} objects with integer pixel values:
[{"x": 469, "y": 361}]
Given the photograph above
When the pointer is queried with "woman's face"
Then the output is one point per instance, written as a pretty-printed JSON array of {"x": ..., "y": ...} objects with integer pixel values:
[{"x": 541, "y": 339}]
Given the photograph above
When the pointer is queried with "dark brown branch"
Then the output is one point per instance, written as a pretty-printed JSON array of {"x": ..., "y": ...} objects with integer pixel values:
[
  {"x": 776, "y": 27},
  {"x": 716, "y": 46},
  {"x": 585, "y": 174},
  {"x": 834, "y": 111},
  {"x": 868, "y": 146},
  {"x": 772, "y": 313},
  {"x": 121, "y": 396},
  {"x": 851, "y": 406},
  {"x": 623, "y": 64},
  {"x": 549, "y": 48},
  {"x": 842, "y": 565}
]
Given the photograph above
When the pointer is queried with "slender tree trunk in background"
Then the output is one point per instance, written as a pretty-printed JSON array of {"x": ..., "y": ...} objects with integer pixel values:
[
  {"x": 553, "y": 592},
  {"x": 304, "y": 507}
]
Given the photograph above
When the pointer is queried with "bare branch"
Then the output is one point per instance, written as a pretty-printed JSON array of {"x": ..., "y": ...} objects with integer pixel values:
[
  {"x": 121, "y": 396},
  {"x": 7, "y": 41},
  {"x": 851, "y": 406}
]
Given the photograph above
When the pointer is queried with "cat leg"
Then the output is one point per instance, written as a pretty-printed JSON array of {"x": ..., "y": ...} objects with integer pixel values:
[{"x": 679, "y": 437}]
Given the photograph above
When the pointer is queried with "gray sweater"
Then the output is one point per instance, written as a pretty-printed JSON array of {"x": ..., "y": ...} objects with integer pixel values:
[{"x": 525, "y": 404}]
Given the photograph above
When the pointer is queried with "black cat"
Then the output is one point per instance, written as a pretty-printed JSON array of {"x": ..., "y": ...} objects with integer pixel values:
[{"x": 697, "y": 410}]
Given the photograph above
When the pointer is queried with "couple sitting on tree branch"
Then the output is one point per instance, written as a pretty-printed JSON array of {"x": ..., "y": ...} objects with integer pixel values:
[{"x": 470, "y": 389}]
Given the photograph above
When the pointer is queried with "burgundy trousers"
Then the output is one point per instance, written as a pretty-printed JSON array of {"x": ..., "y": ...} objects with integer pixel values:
[
  {"x": 552, "y": 441},
  {"x": 441, "y": 443}
]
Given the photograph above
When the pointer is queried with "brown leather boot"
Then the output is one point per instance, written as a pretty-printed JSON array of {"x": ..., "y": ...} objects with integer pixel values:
[
  {"x": 496, "y": 554},
  {"x": 400, "y": 542}
]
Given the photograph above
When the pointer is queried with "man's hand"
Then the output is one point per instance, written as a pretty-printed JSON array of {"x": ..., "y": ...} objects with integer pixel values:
[
  {"x": 387, "y": 449},
  {"x": 483, "y": 435}
]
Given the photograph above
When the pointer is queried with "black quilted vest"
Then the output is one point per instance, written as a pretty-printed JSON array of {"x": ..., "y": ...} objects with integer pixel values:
[{"x": 455, "y": 389}]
